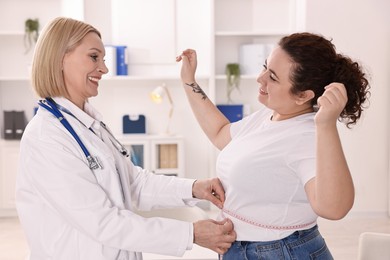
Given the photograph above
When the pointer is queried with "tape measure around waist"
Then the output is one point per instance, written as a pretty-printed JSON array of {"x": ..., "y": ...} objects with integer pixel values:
[{"x": 257, "y": 224}]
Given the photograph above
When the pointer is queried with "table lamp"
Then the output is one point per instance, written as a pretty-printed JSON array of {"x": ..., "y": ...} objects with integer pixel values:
[{"x": 157, "y": 96}]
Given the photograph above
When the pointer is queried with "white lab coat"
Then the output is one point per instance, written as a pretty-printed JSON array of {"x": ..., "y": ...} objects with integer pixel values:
[{"x": 71, "y": 212}]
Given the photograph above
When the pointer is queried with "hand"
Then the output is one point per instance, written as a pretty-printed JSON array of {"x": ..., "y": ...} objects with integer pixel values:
[
  {"x": 331, "y": 104},
  {"x": 211, "y": 190},
  {"x": 189, "y": 64},
  {"x": 215, "y": 235}
]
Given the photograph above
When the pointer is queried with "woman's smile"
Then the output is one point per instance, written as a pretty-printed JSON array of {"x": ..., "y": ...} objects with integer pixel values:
[{"x": 263, "y": 92}]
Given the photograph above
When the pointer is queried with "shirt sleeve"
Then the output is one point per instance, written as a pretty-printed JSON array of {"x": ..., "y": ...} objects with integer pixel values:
[
  {"x": 153, "y": 191},
  {"x": 66, "y": 187}
]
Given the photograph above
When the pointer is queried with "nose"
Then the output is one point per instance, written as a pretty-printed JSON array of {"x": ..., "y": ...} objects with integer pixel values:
[{"x": 103, "y": 68}]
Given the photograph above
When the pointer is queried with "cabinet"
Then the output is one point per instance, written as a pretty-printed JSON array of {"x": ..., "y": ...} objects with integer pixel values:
[
  {"x": 248, "y": 22},
  {"x": 158, "y": 153}
]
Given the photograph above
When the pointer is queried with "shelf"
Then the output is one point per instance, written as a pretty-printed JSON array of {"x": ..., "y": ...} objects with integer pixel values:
[
  {"x": 143, "y": 78},
  {"x": 167, "y": 171},
  {"x": 130, "y": 138},
  {"x": 14, "y": 79},
  {"x": 11, "y": 33},
  {"x": 251, "y": 33},
  {"x": 6, "y": 142},
  {"x": 223, "y": 77}
]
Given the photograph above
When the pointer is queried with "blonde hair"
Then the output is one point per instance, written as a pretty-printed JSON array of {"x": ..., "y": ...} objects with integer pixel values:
[{"x": 59, "y": 37}]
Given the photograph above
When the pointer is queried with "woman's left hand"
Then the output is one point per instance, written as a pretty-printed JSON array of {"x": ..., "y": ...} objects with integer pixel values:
[
  {"x": 211, "y": 190},
  {"x": 331, "y": 103}
]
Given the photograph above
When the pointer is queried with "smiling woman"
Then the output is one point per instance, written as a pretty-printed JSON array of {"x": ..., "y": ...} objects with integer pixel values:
[
  {"x": 76, "y": 188},
  {"x": 283, "y": 166},
  {"x": 82, "y": 76},
  {"x": 53, "y": 39}
]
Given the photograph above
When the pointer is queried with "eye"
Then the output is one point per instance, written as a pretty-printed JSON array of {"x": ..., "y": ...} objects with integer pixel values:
[
  {"x": 271, "y": 74},
  {"x": 94, "y": 57},
  {"x": 272, "y": 77}
]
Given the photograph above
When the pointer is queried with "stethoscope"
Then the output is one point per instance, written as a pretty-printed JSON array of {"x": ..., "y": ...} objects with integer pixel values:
[{"x": 50, "y": 105}]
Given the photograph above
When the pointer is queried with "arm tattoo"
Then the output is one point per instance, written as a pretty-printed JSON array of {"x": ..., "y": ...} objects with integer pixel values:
[{"x": 196, "y": 89}]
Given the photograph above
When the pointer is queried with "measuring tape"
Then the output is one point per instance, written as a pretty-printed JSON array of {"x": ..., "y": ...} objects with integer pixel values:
[{"x": 254, "y": 223}]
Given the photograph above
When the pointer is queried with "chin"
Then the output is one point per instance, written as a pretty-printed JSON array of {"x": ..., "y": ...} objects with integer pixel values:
[{"x": 261, "y": 100}]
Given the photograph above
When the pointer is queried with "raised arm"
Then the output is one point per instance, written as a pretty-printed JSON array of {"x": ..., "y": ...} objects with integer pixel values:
[
  {"x": 331, "y": 192},
  {"x": 215, "y": 125}
]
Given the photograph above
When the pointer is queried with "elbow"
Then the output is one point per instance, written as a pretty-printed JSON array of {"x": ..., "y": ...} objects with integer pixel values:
[
  {"x": 334, "y": 215},
  {"x": 335, "y": 212}
]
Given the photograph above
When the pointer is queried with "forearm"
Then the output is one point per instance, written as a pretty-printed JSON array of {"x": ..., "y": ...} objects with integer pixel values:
[
  {"x": 334, "y": 190},
  {"x": 211, "y": 120},
  {"x": 152, "y": 191}
]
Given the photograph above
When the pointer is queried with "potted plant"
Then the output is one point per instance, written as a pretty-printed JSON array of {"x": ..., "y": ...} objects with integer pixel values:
[
  {"x": 233, "y": 74},
  {"x": 31, "y": 28}
]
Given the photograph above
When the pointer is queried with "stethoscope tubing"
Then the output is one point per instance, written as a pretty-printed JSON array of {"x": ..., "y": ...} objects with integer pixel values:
[{"x": 51, "y": 107}]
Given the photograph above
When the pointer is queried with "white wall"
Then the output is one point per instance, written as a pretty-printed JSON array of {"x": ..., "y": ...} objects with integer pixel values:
[
  {"x": 119, "y": 97},
  {"x": 361, "y": 29}
]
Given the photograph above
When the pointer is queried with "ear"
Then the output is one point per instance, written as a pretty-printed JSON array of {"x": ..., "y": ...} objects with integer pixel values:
[{"x": 304, "y": 97}]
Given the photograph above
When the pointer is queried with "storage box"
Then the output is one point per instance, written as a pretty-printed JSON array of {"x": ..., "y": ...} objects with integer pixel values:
[{"x": 232, "y": 112}]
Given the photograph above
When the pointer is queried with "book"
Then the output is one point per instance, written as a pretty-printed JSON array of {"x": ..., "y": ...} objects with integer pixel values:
[{"x": 121, "y": 60}]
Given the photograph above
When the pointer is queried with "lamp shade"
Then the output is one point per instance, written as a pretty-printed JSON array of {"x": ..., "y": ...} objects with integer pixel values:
[{"x": 157, "y": 94}]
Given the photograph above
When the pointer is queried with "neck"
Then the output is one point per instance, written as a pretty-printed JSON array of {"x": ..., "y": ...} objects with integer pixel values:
[
  {"x": 283, "y": 116},
  {"x": 78, "y": 102}
]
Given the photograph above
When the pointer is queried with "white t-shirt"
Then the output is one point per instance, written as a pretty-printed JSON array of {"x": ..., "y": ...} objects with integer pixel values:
[{"x": 263, "y": 170}]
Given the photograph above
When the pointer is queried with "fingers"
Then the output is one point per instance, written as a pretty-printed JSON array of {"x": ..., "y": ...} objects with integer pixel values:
[
  {"x": 223, "y": 248},
  {"x": 217, "y": 195},
  {"x": 215, "y": 235},
  {"x": 188, "y": 53},
  {"x": 211, "y": 190},
  {"x": 331, "y": 104},
  {"x": 216, "y": 201},
  {"x": 335, "y": 94},
  {"x": 178, "y": 58},
  {"x": 228, "y": 238},
  {"x": 227, "y": 225},
  {"x": 218, "y": 190}
]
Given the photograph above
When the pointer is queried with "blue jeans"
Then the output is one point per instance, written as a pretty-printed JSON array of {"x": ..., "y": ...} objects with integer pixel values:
[{"x": 301, "y": 245}]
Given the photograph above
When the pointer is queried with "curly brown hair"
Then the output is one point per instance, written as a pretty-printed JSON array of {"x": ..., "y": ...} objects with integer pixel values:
[{"x": 317, "y": 64}]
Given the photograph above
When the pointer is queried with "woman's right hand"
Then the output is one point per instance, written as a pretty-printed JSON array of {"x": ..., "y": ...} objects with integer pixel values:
[
  {"x": 331, "y": 104},
  {"x": 189, "y": 64}
]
